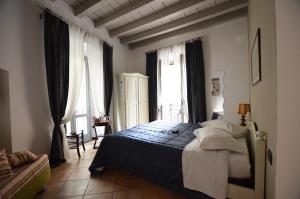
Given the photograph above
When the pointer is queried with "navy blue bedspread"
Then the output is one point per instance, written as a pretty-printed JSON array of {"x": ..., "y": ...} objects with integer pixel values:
[{"x": 152, "y": 151}]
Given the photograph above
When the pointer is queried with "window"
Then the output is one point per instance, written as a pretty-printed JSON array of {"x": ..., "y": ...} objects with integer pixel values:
[
  {"x": 90, "y": 100},
  {"x": 171, "y": 84},
  {"x": 171, "y": 92},
  {"x": 80, "y": 119}
]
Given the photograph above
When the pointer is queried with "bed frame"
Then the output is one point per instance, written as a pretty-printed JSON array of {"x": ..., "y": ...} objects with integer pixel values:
[{"x": 257, "y": 146}]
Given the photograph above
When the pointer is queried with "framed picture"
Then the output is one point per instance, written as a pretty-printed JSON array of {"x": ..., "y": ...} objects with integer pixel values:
[
  {"x": 256, "y": 60},
  {"x": 216, "y": 86}
]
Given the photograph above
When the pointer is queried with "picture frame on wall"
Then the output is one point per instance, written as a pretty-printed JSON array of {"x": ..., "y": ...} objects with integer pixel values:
[{"x": 256, "y": 60}]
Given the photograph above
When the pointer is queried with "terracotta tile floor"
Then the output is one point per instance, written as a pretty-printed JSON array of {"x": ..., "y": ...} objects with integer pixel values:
[{"x": 72, "y": 180}]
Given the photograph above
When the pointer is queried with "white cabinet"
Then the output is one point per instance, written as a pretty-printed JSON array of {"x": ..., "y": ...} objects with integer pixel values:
[
  {"x": 133, "y": 99},
  {"x": 143, "y": 104}
]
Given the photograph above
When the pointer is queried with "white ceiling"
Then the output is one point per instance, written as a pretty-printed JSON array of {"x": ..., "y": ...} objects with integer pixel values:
[{"x": 112, "y": 6}]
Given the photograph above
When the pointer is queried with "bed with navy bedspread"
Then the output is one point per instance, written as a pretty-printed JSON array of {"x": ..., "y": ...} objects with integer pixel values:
[{"x": 152, "y": 151}]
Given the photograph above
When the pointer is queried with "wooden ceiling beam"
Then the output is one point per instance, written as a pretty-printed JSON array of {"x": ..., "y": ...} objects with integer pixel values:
[
  {"x": 193, "y": 28},
  {"x": 121, "y": 12},
  {"x": 161, "y": 14},
  {"x": 88, "y": 6},
  {"x": 185, "y": 21}
]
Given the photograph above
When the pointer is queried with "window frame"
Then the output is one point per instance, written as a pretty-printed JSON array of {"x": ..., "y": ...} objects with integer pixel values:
[
  {"x": 159, "y": 85},
  {"x": 87, "y": 135}
]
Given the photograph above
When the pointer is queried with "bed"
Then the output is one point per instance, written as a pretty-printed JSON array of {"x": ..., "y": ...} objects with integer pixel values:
[{"x": 154, "y": 151}]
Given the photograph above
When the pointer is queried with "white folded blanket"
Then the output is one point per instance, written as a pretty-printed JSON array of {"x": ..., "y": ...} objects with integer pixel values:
[{"x": 205, "y": 171}]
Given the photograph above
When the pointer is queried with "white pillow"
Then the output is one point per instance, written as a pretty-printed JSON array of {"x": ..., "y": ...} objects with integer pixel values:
[
  {"x": 235, "y": 130},
  {"x": 217, "y": 139}
]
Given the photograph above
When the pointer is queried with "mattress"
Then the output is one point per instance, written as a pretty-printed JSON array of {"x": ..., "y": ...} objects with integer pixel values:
[
  {"x": 239, "y": 163},
  {"x": 152, "y": 151},
  {"x": 240, "y": 168}
]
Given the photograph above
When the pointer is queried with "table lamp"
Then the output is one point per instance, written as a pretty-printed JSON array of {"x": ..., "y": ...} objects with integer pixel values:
[{"x": 243, "y": 109}]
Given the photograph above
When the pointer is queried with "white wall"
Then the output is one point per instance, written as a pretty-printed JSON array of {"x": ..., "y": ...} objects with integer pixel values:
[
  {"x": 288, "y": 98},
  {"x": 21, "y": 54},
  {"x": 263, "y": 95},
  {"x": 225, "y": 48}
]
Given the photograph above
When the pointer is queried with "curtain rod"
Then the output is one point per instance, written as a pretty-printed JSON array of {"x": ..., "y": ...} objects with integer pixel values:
[
  {"x": 151, "y": 51},
  {"x": 195, "y": 39},
  {"x": 191, "y": 40},
  {"x": 44, "y": 10}
]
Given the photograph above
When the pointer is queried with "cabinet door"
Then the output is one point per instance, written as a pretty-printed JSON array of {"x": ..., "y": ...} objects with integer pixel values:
[
  {"x": 143, "y": 101},
  {"x": 131, "y": 102}
]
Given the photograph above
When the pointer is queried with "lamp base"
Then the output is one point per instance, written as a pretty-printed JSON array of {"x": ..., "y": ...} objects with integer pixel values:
[{"x": 243, "y": 121}]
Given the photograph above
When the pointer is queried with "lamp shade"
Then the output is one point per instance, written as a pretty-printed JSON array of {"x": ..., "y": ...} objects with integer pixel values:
[{"x": 243, "y": 109}]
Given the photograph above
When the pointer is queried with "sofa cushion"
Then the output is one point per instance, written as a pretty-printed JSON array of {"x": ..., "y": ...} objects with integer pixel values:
[
  {"x": 5, "y": 169},
  {"x": 16, "y": 172},
  {"x": 21, "y": 158}
]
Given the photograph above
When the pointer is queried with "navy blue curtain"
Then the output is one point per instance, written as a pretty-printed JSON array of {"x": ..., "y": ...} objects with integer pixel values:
[
  {"x": 108, "y": 80},
  {"x": 151, "y": 71},
  {"x": 195, "y": 81},
  {"x": 56, "y": 44}
]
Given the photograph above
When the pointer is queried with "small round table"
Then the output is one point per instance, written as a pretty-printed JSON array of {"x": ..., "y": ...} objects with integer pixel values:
[{"x": 79, "y": 138}]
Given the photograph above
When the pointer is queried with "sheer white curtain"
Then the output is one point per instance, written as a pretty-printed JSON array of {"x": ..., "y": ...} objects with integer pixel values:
[
  {"x": 76, "y": 67},
  {"x": 165, "y": 57},
  {"x": 184, "y": 103},
  {"x": 172, "y": 65},
  {"x": 95, "y": 65}
]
